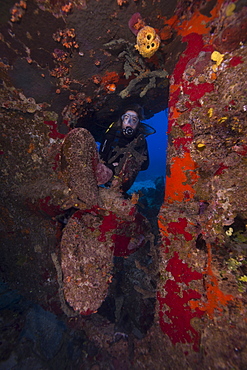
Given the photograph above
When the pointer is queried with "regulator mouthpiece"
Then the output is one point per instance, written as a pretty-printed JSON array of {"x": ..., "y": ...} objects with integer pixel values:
[{"x": 128, "y": 131}]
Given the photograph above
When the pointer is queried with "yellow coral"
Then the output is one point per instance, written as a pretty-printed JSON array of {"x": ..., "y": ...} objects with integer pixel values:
[
  {"x": 210, "y": 112},
  {"x": 218, "y": 58},
  {"x": 243, "y": 279},
  {"x": 148, "y": 41},
  {"x": 200, "y": 146},
  {"x": 230, "y": 9},
  {"x": 222, "y": 119}
]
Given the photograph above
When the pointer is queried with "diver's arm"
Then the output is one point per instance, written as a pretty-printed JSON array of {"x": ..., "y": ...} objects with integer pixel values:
[{"x": 105, "y": 152}]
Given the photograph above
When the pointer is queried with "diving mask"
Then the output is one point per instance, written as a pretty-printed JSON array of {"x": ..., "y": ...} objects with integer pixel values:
[{"x": 130, "y": 119}]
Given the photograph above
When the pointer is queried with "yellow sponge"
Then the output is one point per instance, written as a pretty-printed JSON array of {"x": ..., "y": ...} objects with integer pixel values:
[{"x": 148, "y": 41}]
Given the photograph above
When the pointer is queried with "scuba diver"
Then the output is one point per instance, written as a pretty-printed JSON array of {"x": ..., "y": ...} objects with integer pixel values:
[
  {"x": 123, "y": 153},
  {"x": 124, "y": 149}
]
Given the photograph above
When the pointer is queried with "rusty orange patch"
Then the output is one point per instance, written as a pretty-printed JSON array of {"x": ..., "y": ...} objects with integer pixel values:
[
  {"x": 215, "y": 297},
  {"x": 110, "y": 77},
  {"x": 179, "y": 184},
  {"x": 31, "y": 148},
  {"x": 196, "y": 24},
  {"x": 162, "y": 222}
]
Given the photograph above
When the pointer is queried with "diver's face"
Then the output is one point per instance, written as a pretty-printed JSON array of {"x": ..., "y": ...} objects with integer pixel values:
[{"x": 130, "y": 119}]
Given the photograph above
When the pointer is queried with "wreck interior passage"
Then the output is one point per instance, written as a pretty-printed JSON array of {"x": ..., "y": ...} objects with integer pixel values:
[{"x": 91, "y": 278}]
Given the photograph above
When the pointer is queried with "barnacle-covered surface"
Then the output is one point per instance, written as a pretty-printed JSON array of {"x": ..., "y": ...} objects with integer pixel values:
[
  {"x": 86, "y": 264},
  {"x": 79, "y": 159},
  {"x": 203, "y": 217},
  {"x": 67, "y": 60}
]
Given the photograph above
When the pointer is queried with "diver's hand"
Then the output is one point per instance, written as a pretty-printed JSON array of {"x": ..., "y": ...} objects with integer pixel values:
[
  {"x": 103, "y": 174},
  {"x": 116, "y": 182}
]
